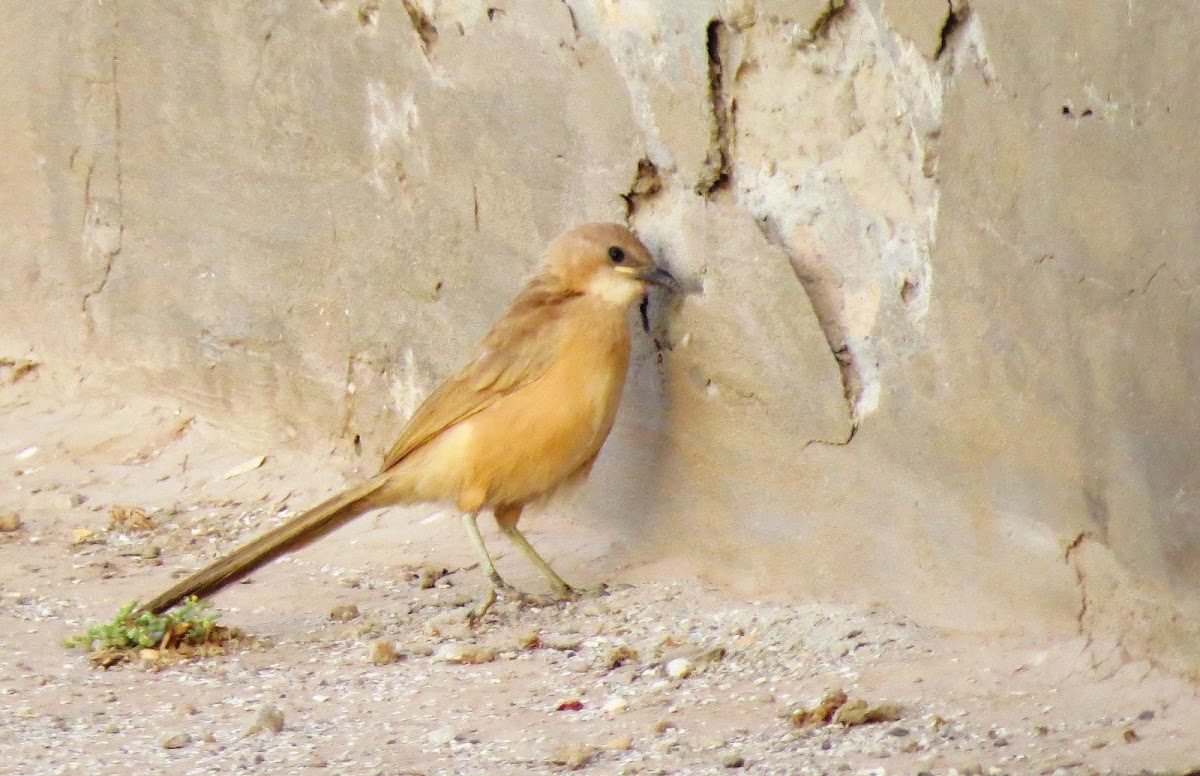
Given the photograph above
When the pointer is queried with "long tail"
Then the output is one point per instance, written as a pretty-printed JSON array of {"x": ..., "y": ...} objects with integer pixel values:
[{"x": 293, "y": 534}]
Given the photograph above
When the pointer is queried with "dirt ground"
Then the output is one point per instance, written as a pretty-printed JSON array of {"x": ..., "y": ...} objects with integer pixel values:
[{"x": 662, "y": 674}]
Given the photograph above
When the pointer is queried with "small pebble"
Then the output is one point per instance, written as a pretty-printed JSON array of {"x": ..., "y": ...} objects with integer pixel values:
[
  {"x": 343, "y": 612},
  {"x": 619, "y": 744},
  {"x": 620, "y": 656},
  {"x": 733, "y": 760},
  {"x": 573, "y": 756},
  {"x": 9, "y": 522},
  {"x": 665, "y": 745},
  {"x": 745, "y": 642},
  {"x": 859, "y": 712},
  {"x": 382, "y": 653},
  {"x": 176, "y": 741},
  {"x": 615, "y": 705},
  {"x": 71, "y": 501},
  {"x": 442, "y": 735},
  {"x": 680, "y": 668},
  {"x": 822, "y": 713},
  {"x": 463, "y": 654},
  {"x": 560, "y": 643},
  {"x": 269, "y": 720},
  {"x": 427, "y": 576}
]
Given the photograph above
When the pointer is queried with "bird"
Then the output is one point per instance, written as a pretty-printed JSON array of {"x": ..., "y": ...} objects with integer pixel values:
[{"x": 524, "y": 418}]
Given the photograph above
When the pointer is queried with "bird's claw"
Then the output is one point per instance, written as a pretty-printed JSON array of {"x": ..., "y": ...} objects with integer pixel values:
[
  {"x": 572, "y": 593},
  {"x": 502, "y": 589},
  {"x": 494, "y": 594},
  {"x": 476, "y": 612}
]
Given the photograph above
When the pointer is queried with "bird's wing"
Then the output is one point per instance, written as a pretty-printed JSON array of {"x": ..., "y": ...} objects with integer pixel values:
[{"x": 518, "y": 350}]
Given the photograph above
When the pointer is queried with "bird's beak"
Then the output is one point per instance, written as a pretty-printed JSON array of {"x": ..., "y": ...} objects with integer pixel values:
[{"x": 652, "y": 275}]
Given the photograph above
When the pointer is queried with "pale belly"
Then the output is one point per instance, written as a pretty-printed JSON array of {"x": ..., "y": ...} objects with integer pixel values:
[
  {"x": 520, "y": 448},
  {"x": 526, "y": 444},
  {"x": 530, "y": 442}
]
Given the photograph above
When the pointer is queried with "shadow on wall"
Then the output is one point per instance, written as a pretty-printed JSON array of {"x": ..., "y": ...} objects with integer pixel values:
[{"x": 625, "y": 488}]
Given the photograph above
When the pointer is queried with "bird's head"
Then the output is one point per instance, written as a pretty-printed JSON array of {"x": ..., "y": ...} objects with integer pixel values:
[{"x": 605, "y": 261}]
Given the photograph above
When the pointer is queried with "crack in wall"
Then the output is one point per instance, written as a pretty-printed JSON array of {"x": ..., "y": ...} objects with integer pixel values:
[
  {"x": 716, "y": 171},
  {"x": 646, "y": 183},
  {"x": 1122, "y": 616},
  {"x": 97, "y": 289},
  {"x": 427, "y": 33},
  {"x": 368, "y": 15},
  {"x": 833, "y": 442},
  {"x": 645, "y": 186},
  {"x": 1145, "y": 287},
  {"x": 824, "y": 307},
  {"x": 831, "y": 161},
  {"x": 956, "y": 16},
  {"x": 820, "y": 26},
  {"x": 1080, "y": 582},
  {"x": 104, "y": 219},
  {"x": 574, "y": 21},
  {"x": 352, "y": 362},
  {"x": 1091, "y": 615},
  {"x": 475, "y": 205}
]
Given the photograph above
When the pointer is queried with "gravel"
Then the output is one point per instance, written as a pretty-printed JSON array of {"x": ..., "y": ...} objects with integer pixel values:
[{"x": 665, "y": 676}]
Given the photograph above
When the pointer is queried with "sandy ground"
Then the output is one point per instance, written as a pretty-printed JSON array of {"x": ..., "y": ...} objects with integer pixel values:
[{"x": 663, "y": 674}]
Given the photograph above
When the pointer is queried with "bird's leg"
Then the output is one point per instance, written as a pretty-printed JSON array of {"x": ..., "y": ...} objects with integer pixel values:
[
  {"x": 507, "y": 517},
  {"x": 489, "y": 568},
  {"x": 498, "y": 584},
  {"x": 481, "y": 607}
]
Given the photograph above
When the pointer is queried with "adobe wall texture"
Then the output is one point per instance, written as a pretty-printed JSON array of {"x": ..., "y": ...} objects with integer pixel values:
[{"x": 941, "y": 346}]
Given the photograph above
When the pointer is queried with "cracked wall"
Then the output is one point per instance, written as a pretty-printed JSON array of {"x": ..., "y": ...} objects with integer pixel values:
[{"x": 940, "y": 323}]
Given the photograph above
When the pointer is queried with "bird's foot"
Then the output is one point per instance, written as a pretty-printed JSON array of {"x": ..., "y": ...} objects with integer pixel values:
[
  {"x": 496, "y": 592},
  {"x": 571, "y": 593},
  {"x": 481, "y": 607}
]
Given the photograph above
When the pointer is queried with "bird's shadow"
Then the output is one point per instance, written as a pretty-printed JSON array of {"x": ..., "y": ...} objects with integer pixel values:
[{"x": 628, "y": 481}]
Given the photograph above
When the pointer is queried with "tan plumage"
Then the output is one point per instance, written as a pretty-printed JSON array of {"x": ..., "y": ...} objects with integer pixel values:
[{"x": 524, "y": 417}]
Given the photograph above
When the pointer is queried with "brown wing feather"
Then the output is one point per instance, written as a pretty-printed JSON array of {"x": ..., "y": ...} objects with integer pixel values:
[{"x": 512, "y": 355}]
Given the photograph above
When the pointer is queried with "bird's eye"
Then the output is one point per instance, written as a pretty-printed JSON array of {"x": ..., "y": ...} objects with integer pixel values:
[{"x": 616, "y": 254}]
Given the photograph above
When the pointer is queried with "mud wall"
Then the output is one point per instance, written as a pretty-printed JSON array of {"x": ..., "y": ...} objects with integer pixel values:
[{"x": 940, "y": 350}]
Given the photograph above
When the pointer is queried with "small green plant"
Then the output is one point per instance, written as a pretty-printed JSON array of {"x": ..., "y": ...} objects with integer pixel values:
[{"x": 185, "y": 631}]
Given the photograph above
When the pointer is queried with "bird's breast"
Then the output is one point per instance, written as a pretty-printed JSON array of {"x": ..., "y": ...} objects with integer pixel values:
[{"x": 532, "y": 440}]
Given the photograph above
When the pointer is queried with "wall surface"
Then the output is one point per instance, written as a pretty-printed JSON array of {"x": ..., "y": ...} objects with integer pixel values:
[{"x": 940, "y": 346}]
